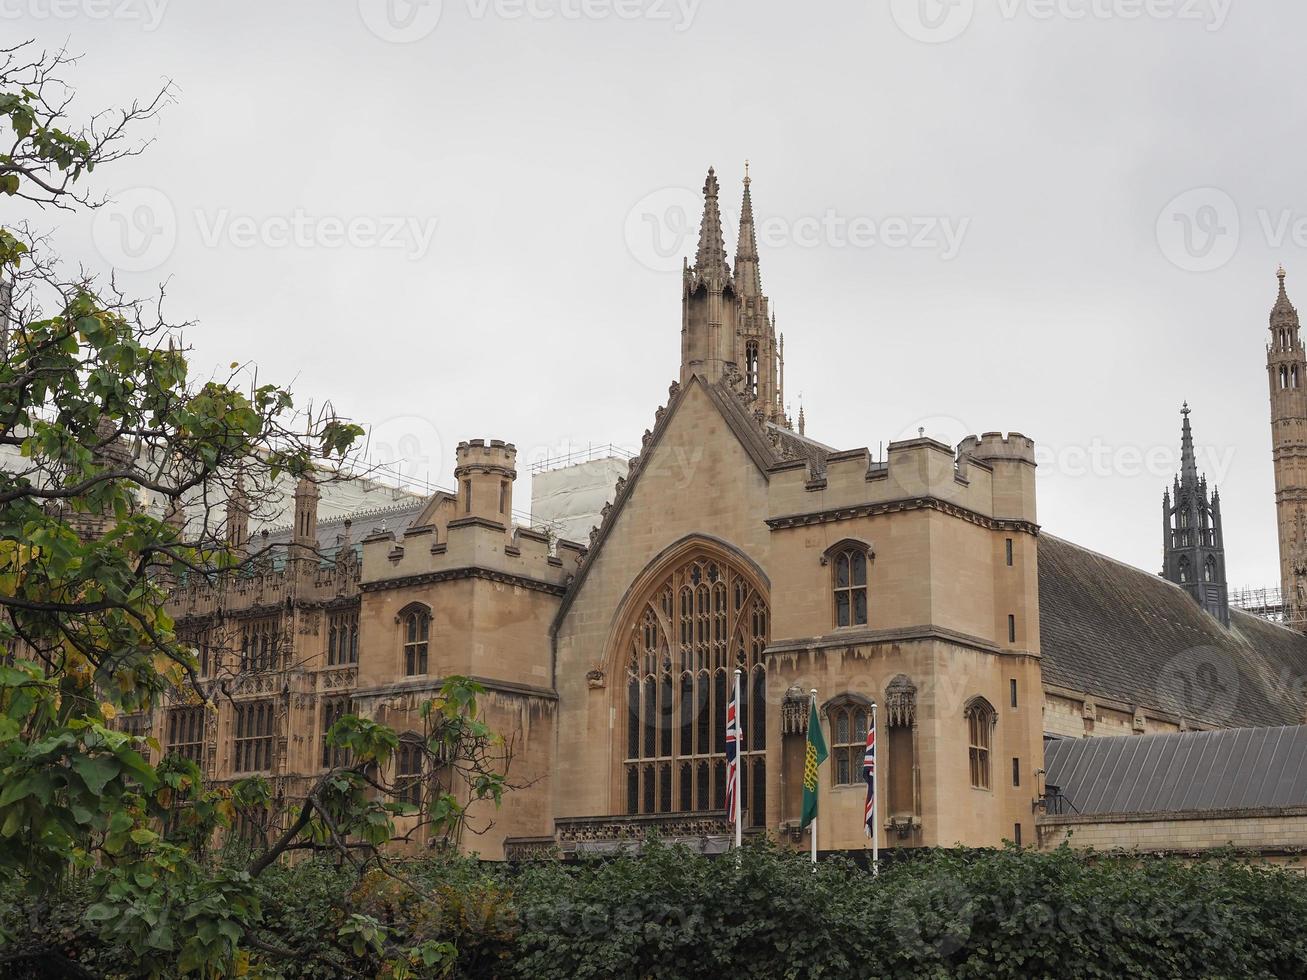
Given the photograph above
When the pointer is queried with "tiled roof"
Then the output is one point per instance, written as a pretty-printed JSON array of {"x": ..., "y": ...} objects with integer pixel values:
[
  {"x": 397, "y": 517},
  {"x": 1113, "y": 631},
  {"x": 1236, "y": 769}
]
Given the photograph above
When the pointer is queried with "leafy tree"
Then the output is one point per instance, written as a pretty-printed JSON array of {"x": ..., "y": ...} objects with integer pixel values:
[{"x": 115, "y": 462}]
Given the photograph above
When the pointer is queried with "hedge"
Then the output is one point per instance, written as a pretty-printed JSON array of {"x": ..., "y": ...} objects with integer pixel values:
[{"x": 762, "y": 913}]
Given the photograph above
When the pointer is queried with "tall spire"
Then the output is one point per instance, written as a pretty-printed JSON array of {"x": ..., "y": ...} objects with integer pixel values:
[
  {"x": 1283, "y": 306},
  {"x": 1188, "y": 466},
  {"x": 710, "y": 260},
  {"x": 748, "y": 278},
  {"x": 1193, "y": 539}
]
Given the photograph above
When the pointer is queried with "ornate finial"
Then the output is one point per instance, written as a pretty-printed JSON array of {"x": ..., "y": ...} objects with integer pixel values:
[
  {"x": 1185, "y": 409},
  {"x": 1280, "y": 274},
  {"x": 746, "y": 173}
]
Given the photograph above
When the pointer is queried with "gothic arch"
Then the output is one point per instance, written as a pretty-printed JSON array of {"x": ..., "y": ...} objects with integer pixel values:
[{"x": 698, "y": 612}]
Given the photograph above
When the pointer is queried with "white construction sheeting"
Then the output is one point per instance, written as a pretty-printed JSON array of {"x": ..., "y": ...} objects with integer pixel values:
[{"x": 570, "y": 499}]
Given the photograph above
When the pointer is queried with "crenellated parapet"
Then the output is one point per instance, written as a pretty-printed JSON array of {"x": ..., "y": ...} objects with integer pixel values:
[{"x": 474, "y": 535}]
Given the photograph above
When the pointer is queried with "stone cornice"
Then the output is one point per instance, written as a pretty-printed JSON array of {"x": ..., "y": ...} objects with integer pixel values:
[
  {"x": 899, "y": 506},
  {"x": 861, "y": 637},
  {"x": 466, "y": 572},
  {"x": 1163, "y": 816},
  {"x": 433, "y": 684}
]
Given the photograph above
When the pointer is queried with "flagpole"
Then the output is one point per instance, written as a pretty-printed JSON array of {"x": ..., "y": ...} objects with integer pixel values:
[
  {"x": 739, "y": 760},
  {"x": 875, "y": 799},
  {"x": 815, "y": 817}
]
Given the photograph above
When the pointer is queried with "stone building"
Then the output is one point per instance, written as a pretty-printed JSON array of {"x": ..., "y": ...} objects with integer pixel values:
[{"x": 920, "y": 583}]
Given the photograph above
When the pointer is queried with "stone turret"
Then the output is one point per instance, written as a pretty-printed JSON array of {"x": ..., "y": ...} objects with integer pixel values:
[
  {"x": 485, "y": 472},
  {"x": 1012, "y": 458}
]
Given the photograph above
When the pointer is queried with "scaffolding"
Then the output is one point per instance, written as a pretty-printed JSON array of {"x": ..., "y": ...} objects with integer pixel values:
[{"x": 1269, "y": 604}]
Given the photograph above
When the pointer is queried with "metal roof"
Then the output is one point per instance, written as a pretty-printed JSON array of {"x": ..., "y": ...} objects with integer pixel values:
[{"x": 1234, "y": 769}]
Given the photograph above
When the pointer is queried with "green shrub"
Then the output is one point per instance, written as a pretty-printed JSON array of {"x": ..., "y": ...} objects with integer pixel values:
[{"x": 764, "y": 913}]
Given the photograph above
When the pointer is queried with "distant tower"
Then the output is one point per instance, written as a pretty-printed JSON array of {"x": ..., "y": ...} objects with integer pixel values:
[
  {"x": 238, "y": 516},
  {"x": 1193, "y": 540},
  {"x": 1286, "y": 366},
  {"x": 304, "y": 540}
]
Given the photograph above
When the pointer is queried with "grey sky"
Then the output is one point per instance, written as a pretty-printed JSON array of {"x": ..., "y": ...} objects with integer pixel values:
[{"x": 549, "y": 139}]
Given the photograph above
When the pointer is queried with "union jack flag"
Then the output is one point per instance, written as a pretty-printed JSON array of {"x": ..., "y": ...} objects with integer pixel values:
[
  {"x": 869, "y": 774},
  {"x": 732, "y": 751}
]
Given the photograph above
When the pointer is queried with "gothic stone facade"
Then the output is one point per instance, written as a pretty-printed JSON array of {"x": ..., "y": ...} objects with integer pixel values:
[{"x": 913, "y": 583}]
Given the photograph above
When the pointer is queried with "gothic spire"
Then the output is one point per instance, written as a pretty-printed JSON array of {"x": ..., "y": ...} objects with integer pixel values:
[
  {"x": 1284, "y": 309},
  {"x": 710, "y": 260},
  {"x": 747, "y": 275},
  {"x": 1188, "y": 466}
]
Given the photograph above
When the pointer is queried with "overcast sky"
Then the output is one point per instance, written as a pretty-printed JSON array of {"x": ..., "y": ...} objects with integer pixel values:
[{"x": 1061, "y": 217}]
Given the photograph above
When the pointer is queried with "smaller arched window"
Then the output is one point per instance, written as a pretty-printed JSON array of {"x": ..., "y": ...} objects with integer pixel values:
[
  {"x": 1284, "y": 377},
  {"x": 1294, "y": 376},
  {"x": 1209, "y": 569},
  {"x": 408, "y": 770},
  {"x": 417, "y": 637},
  {"x": 751, "y": 366},
  {"x": 980, "y": 729},
  {"x": 1185, "y": 571},
  {"x": 849, "y": 583},
  {"x": 849, "y": 719}
]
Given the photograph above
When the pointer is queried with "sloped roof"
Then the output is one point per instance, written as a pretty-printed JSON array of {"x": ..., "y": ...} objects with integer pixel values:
[
  {"x": 397, "y": 517},
  {"x": 1235, "y": 769},
  {"x": 1113, "y": 631}
]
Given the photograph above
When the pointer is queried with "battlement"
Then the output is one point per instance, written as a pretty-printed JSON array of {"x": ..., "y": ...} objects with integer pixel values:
[
  {"x": 486, "y": 454},
  {"x": 996, "y": 446},
  {"x": 485, "y": 471},
  {"x": 986, "y": 475}
]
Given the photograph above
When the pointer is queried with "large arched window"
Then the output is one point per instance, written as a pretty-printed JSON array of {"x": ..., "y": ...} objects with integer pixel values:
[
  {"x": 416, "y": 623},
  {"x": 980, "y": 729},
  {"x": 688, "y": 636}
]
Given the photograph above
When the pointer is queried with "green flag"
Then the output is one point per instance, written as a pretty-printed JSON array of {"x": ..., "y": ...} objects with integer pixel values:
[{"x": 815, "y": 756}]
